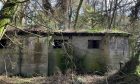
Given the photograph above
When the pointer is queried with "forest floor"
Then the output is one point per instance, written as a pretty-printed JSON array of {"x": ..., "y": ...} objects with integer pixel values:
[{"x": 72, "y": 79}]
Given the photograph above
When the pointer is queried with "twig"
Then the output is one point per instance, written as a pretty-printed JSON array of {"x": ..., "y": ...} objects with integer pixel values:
[{"x": 5, "y": 68}]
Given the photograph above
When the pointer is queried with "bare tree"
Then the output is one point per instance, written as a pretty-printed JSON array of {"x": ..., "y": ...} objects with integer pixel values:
[
  {"x": 48, "y": 7},
  {"x": 135, "y": 11}
]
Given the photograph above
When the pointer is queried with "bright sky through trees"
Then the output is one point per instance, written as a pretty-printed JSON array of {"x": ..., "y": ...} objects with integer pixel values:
[{"x": 1, "y": 5}]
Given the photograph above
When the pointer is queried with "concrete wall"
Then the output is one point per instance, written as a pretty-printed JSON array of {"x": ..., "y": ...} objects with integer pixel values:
[
  {"x": 57, "y": 60},
  {"x": 86, "y": 60},
  {"x": 29, "y": 58},
  {"x": 34, "y": 57},
  {"x": 94, "y": 60},
  {"x": 111, "y": 52},
  {"x": 119, "y": 51}
]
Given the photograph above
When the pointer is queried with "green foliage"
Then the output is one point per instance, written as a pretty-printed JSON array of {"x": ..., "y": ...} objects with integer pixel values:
[
  {"x": 89, "y": 9},
  {"x": 138, "y": 70},
  {"x": 79, "y": 63},
  {"x": 90, "y": 18},
  {"x": 3, "y": 23}
]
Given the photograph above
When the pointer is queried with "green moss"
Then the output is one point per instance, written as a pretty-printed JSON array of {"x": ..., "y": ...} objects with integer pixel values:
[
  {"x": 3, "y": 23},
  {"x": 103, "y": 30},
  {"x": 95, "y": 63},
  {"x": 59, "y": 54},
  {"x": 88, "y": 63}
]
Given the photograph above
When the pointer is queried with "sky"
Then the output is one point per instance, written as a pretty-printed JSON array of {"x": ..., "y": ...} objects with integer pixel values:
[{"x": 1, "y": 5}]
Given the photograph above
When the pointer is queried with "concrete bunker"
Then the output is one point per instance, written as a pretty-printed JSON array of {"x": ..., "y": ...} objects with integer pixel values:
[{"x": 45, "y": 53}]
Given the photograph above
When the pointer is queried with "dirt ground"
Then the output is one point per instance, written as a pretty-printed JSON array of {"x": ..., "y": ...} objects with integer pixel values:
[{"x": 72, "y": 79}]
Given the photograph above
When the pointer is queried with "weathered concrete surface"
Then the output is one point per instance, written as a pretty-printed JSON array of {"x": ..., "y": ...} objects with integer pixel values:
[
  {"x": 94, "y": 60},
  {"x": 119, "y": 51},
  {"x": 28, "y": 58},
  {"x": 111, "y": 52},
  {"x": 34, "y": 57}
]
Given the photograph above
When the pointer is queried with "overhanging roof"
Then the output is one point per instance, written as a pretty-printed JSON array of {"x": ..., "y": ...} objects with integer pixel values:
[{"x": 64, "y": 33}]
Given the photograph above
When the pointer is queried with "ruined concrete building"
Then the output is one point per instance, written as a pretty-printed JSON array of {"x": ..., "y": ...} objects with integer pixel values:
[{"x": 36, "y": 52}]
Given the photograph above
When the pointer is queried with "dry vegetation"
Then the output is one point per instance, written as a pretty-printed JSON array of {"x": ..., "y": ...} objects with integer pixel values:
[
  {"x": 57, "y": 79},
  {"x": 73, "y": 79}
]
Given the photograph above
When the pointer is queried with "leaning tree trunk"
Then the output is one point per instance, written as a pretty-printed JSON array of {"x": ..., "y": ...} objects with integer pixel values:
[{"x": 7, "y": 13}]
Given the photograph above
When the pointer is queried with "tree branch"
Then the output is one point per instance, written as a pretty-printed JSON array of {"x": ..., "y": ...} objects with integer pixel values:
[{"x": 77, "y": 13}]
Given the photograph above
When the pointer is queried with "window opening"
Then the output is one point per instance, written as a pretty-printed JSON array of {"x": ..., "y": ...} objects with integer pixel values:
[
  {"x": 93, "y": 44},
  {"x": 59, "y": 43},
  {"x": 3, "y": 43}
]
